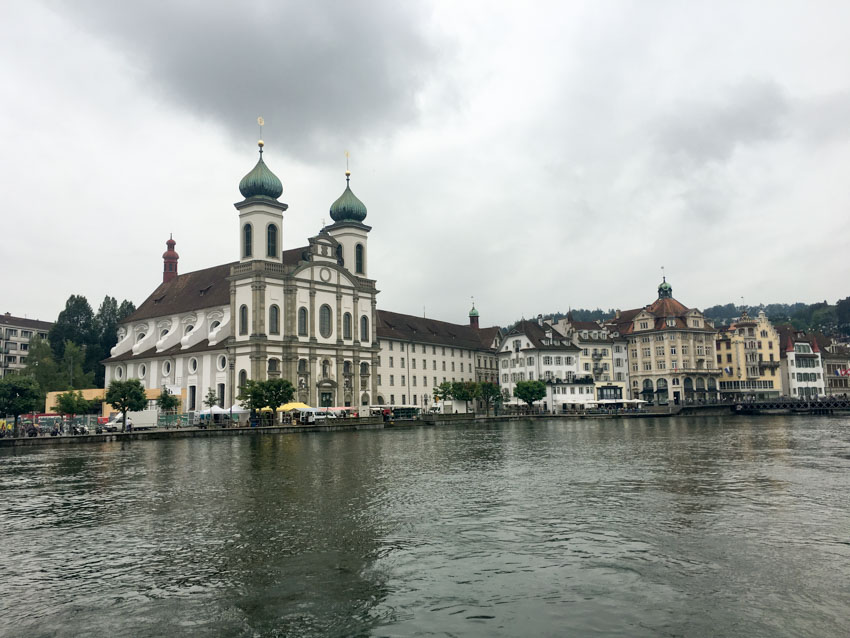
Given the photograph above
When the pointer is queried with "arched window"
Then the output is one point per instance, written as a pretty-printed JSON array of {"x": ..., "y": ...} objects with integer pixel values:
[
  {"x": 274, "y": 320},
  {"x": 346, "y": 325},
  {"x": 274, "y": 365},
  {"x": 364, "y": 369},
  {"x": 358, "y": 259},
  {"x": 243, "y": 319},
  {"x": 302, "y": 322},
  {"x": 325, "y": 321},
  {"x": 243, "y": 378},
  {"x": 271, "y": 241},
  {"x": 246, "y": 240},
  {"x": 346, "y": 367},
  {"x": 339, "y": 258},
  {"x": 302, "y": 365},
  {"x": 364, "y": 328}
]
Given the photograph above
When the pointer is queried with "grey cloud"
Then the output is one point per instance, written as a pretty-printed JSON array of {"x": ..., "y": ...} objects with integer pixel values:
[
  {"x": 322, "y": 74},
  {"x": 710, "y": 131}
]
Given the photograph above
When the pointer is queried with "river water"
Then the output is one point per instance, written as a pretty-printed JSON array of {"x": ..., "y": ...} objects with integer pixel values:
[{"x": 647, "y": 527}]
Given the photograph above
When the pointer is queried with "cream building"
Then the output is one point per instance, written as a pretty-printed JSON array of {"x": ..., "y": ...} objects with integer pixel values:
[
  {"x": 535, "y": 350},
  {"x": 800, "y": 364},
  {"x": 749, "y": 359},
  {"x": 417, "y": 354},
  {"x": 603, "y": 356},
  {"x": 15, "y": 336},
  {"x": 671, "y": 351}
]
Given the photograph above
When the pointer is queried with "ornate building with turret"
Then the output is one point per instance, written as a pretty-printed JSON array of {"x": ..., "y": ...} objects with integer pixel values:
[
  {"x": 307, "y": 314},
  {"x": 671, "y": 351}
]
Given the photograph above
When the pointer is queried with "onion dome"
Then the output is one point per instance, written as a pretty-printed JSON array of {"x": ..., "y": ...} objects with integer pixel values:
[
  {"x": 170, "y": 253},
  {"x": 261, "y": 182},
  {"x": 348, "y": 208},
  {"x": 665, "y": 290},
  {"x": 473, "y": 312}
]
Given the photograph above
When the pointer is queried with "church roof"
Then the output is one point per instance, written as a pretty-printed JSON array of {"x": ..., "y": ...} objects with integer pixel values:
[
  {"x": 187, "y": 292},
  {"x": 401, "y": 327},
  {"x": 151, "y": 353}
]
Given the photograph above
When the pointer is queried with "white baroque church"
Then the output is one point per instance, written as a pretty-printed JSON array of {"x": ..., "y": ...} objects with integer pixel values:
[{"x": 307, "y": 314}]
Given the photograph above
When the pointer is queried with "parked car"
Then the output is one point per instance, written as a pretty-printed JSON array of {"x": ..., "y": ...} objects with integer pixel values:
[{"x": 115, "y": 425}]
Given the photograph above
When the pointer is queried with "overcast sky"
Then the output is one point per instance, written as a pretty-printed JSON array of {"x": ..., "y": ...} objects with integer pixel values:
[{"x": 535, "y": 155}]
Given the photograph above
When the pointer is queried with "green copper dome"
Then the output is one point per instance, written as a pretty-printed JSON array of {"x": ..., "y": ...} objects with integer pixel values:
[
  {"x": 473, "y": 312},
  {"x": 348, "y": 208},
  {"x": 261, "y": 182},
  {"x": 664, "y": 289}
]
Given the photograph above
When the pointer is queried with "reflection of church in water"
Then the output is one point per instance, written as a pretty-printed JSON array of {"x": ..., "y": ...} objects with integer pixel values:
[{"x": 307, "y": 314}]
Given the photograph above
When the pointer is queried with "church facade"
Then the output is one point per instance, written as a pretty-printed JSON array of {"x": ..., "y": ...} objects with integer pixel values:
[{"x": 307, "y": 314}]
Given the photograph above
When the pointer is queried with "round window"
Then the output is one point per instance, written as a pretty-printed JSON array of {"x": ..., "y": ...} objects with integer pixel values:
[
  {"x": 119, "y": 373},
  {"x": 166, "y": 368},
  {"x": 188, "y": 330},
  {"x": 222, "y": 362},
  {"x": 143, "y": 370},
  {"x": 193, "y": 365}
]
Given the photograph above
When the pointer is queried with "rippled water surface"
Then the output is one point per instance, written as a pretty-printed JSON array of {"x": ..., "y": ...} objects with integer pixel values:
[{"x": 734, "y": 527}]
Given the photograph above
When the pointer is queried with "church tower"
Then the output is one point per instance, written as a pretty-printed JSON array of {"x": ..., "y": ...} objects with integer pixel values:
[
  {"x": 169, "y": 261},
  {"x": 348, "y": 229},
  {"x": 260, "y": 264}
]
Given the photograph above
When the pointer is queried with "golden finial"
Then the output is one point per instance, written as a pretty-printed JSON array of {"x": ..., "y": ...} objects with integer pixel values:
[
  {"x": 347, "y": 172},
  {"x": 261, "y": 122}
]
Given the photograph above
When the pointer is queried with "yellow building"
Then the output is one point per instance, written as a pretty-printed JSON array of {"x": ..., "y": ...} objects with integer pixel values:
[
  {"x": 748, "y": 357},
  {"x": 90, "y": 394}
]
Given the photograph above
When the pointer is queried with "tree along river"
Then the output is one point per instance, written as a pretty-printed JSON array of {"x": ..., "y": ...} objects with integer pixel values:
[{"x": 647, "y": 527}]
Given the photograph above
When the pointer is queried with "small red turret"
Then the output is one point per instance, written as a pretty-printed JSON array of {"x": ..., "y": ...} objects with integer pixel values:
[{"x": 169, "y": 261}]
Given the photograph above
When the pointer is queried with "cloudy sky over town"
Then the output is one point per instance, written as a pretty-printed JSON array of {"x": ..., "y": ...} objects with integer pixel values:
[{"x": 535, "y": 155}]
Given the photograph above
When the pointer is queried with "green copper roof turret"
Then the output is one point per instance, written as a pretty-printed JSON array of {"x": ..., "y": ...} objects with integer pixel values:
[
  {"x": 473, "y": 312},
  {"x": 348, "y": 208},
  {"x": 665, "y": 290},
  {"x": 261, "y": 182}
]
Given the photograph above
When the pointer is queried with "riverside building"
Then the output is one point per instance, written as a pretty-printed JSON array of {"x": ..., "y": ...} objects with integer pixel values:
[
  {"x": 800, "y": 364},
  {"x": 671, "y": 351},
  {"x": 15, "y": 336},
  {"x": 307, "y": 314},
  {"x": 747, "y": 354}
]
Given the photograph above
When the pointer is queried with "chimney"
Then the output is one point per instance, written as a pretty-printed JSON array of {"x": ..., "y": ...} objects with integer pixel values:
[
  {"x": 169, "y": 261},
  {"x": 540, "y": 320}
]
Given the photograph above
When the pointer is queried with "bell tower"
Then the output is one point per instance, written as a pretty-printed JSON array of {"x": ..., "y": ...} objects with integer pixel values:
[{"x": 169, "y": 261}]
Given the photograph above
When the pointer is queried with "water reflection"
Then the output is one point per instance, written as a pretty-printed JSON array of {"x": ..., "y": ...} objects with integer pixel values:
[{"x": 633, "y": 527}]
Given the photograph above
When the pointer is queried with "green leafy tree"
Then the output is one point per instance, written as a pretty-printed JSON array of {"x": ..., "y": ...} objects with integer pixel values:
[
  {"x": 443, "y": 392},
  {"x": 211, "y": 399},
  {"x": 19, "y": 395},
  {"x": 105, "y": 334},
  {"x": 465, "y": 391},
  {"x": 71, "y": 368},
  {"x": 278, "y": 392},
  {"x": 167, "y": 401},
  {"x": 125, "y": 396},
  {"x": 252, "y": 395},
  {"x": 42, "y": 367},
  {"x": 72, "y": 403},
  {"x": 530, "y": 391},
  {"x": 75, "y": 323},
  {"x": 489, "y": 393}
]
